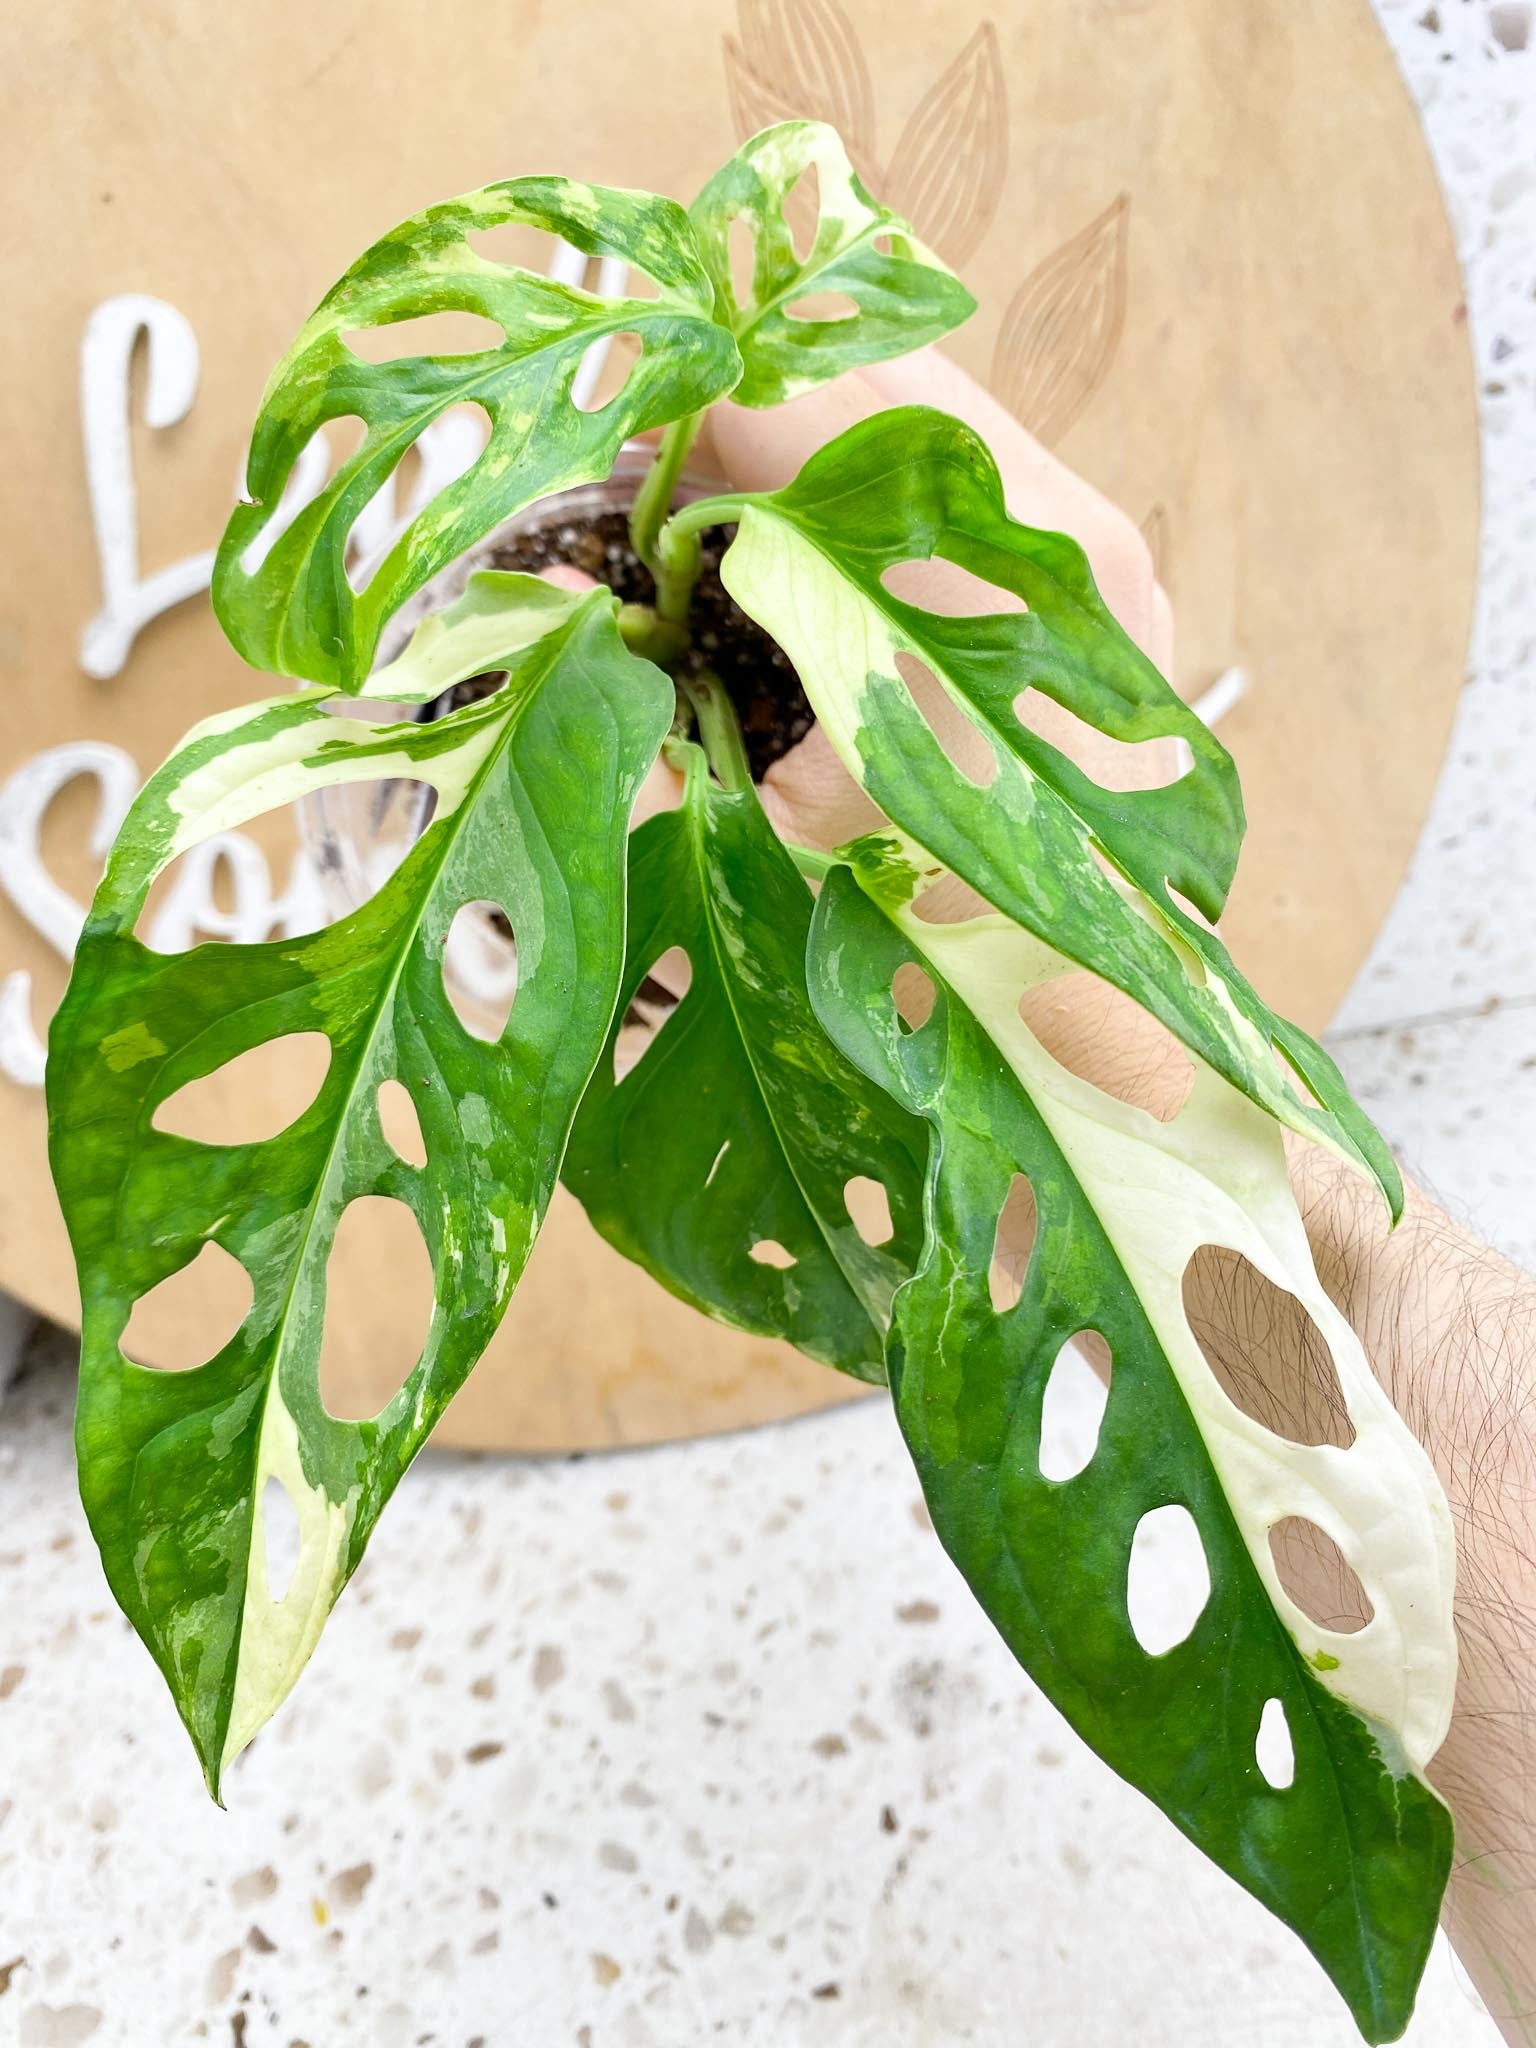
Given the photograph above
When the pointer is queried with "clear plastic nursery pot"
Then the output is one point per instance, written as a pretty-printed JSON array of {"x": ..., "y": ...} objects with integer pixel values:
[{"x": 592, "y": 1352}]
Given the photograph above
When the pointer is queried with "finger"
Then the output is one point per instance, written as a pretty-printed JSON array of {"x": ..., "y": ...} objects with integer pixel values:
[{"x": 565, "y": 577}]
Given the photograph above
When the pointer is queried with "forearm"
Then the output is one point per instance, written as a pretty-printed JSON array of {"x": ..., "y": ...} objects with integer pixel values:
[{"x": 1450, "y": 1328}]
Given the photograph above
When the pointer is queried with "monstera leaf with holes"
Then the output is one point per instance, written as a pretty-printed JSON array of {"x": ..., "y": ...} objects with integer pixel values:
[
  {"x": 293, "y": 610},
  {"x": 1041, "y": 842},
  {"x": 534, "y": 786},
  {"x": 786, "y": 1085},
  {"x": 902, "y": 296},
  {"x": 1350, "y": 1846},
  {"x": 741, "y": 1127}
]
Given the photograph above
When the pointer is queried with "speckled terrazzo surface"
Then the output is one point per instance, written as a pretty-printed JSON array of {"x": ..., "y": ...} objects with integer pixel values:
[
  {"x": 701, "y": 1744},
  {"x": 707, "y": 1743}
]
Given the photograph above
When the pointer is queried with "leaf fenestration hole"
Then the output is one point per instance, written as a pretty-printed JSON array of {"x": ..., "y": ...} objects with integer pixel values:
[
  {"x": 252, "y": 1097},
  {"x": 279, "y": 1538},
  {"x": 948, "y": 589},
  {"x": 1293, "y": 1077},
  {"x": 638, "y": 284},
  {"x": 1101, "y": 1035},
  {"x": 226, "y": 887},
  {"x": 190, "y": 1316},
  {"x": 1118, "y": 765},
  {"x": 944, "y": 900},
  {"x": 716, "y": 1163},
  {"x": 1188, "y": 959},
  {"x": 965, "y": 745},
  {"x": 741, "y": 248},
  {"x": 344, "y": 436},
  {"x": 802, "y": 211},
  {"x": 1167, "y": 1580},
  {"x": 606, "y": 366},
  {"x": 444, "y": 450},
  {"x": 1183, "y": 903},
  {"x": 515, "y": 243},
  {"x": 1012, "y": 1242},
  {"x": 1072, "y": 1412},
  {"x": 1281, "y": 1373},
  {"x": 400, "y": 1123},
  {"x": 823, "y": 306},
  {"x": 1319, "y": 1577},
  {"x": 769, "y": 1252},
  {"x": 444, "y": 333},
  {"x": 223, "y": 891},
  {"x": 371, "y": 1344},
  {"x": 869, "y": 1209},
  {"x": 651, "y": 1009},
  {"x": 1273, "y": 1750},
  {"x": 914, "y": 994},
  {"x": 373, "y": 827},
  {"x": 1194, "y": 968},
  {"x": 480, "y": 969}
]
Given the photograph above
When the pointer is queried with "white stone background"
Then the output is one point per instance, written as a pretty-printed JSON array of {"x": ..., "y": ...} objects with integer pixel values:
[{"x": 709, "y": 1743}]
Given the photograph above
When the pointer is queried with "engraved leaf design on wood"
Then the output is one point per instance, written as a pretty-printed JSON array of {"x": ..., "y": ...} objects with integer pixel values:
[
  {"x": 1063, "y": 326},
  {"x": 756, "y": 105},
  {"x": 946, "y": 175},
  {"x": 801, "y": 58}
]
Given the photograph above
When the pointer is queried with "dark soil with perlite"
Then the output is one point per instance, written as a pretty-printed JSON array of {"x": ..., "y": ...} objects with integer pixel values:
[{"x": 756, "y": 672}]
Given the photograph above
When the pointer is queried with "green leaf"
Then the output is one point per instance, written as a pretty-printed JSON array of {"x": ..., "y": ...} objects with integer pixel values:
[
  {"x": 742, "y": 1125},
  {"x": 904, "y": 295},
  {"x": 295, "y": 612},
  {"x": 1354, "y": 1853},
  {"x": 534, "y": 787},
  {"x": 807, "y": 564}
]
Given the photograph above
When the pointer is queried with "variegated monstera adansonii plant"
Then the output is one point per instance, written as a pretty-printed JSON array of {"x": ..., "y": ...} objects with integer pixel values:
[{"x": 787, "y": 1070}]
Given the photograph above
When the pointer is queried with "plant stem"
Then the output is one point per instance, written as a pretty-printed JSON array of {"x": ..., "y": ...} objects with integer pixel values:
[
  {"x": 676, "y": 567},
  {"x": 653, "y": 500},
  {"x": 644, "y": 633},
  {"x": 718, "y": 728},
  {"x": 724, "y": 510},
  {"x": 813, "y": 865},
  {"x": 676, "y": 573}
]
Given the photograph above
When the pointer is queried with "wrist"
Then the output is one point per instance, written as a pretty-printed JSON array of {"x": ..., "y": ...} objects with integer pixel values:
[{"x": 1425, "y": 1298}]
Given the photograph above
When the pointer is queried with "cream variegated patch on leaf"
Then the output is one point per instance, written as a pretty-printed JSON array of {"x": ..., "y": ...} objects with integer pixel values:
[
  {"x": 902, "y": 296},
  {"x": 533, "y": 786},
  {"x": 1352, "y": 1852}
]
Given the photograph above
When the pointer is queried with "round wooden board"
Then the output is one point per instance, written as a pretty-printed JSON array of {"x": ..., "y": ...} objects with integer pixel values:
[{"x": 1213, "y": 269}]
